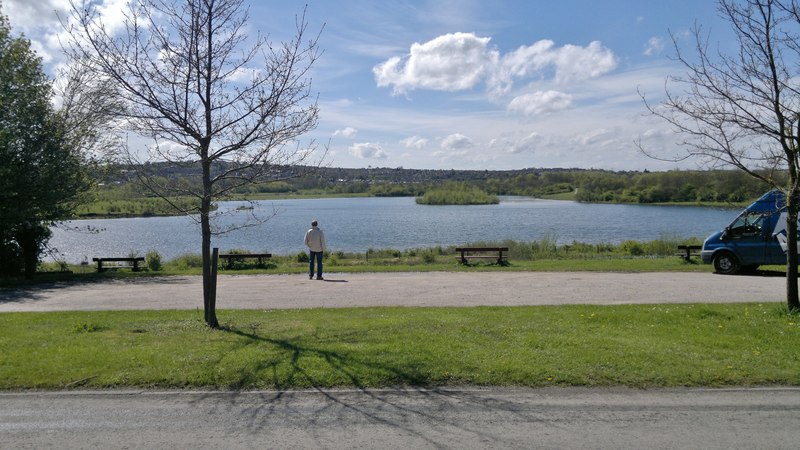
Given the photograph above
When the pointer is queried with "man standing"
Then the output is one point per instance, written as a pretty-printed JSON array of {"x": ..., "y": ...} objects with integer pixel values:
[{"x": 315, "y": 241}]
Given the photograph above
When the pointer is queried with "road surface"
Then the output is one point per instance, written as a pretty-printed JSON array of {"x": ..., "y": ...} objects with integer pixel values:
[
  {"x": 401, "y": 419},
  {"x": 397, "y": 289}
]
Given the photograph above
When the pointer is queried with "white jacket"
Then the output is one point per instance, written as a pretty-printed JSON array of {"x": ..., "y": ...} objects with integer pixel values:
[{"x": 315, "y": 240}]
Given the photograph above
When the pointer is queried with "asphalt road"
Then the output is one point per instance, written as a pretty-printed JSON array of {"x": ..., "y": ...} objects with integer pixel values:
[
  {"x": 403, "y": 419},
  {"x": 398, "y": 289},
  {"x": 451, "y": 418}
]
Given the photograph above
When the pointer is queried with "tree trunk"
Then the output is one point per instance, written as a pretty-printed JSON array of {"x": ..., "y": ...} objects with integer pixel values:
[
  {"x": 214, "y": 265},
  {"x": 30, "y": 254},
  {"x": 791, "y": 254},
  {"x": 209, "y": 284}
]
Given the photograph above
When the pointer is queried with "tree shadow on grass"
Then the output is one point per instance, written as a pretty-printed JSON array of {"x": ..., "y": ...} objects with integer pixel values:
[
  {"x": 412, "y": 399},
  {"x": 339, "y": 362}
]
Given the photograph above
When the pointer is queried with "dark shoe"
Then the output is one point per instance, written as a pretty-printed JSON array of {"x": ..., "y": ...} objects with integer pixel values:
[
  {"x": 320, "y": 278},
  {"x": 311, "y": 277}
]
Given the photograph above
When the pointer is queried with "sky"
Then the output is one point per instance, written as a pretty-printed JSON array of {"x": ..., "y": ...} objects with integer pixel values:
[{"x": 471, "y": 84}]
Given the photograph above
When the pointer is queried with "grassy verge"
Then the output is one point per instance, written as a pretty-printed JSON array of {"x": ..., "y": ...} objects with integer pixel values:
[
  {"x": 288, "y": 265},
  {"x": 640, "y": 345},
  {"x": 543, "y": 255}
]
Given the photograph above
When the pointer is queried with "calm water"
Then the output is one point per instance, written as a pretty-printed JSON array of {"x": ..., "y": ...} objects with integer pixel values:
[{"x": 357, "y": 224}]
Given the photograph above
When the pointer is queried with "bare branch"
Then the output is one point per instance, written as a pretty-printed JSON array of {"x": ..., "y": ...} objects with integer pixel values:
[{"x": 189, "y": 78}]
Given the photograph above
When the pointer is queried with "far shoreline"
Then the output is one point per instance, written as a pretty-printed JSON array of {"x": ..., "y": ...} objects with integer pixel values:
[{"x": 266, "y": 197}]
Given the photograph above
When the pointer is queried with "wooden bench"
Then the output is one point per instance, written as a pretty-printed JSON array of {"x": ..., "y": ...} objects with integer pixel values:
[
  {"x": 231, "y": 258},
  {"x": 687, "y": 251},
  {"x": 466, "y": 253},
  {"x": 118, "y": 263}
]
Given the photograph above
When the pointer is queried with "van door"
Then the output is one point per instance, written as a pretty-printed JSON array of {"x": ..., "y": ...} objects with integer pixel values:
[
  {"x": 748, "y": 236},
  {"x": 776, "y": 249}
]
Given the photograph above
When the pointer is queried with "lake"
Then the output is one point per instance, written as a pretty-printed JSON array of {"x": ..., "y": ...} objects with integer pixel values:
[{"x": 358, "y": 224}]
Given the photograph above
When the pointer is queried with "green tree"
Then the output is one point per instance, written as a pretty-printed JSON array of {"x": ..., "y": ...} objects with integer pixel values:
[{"x": 41, "y": 174}]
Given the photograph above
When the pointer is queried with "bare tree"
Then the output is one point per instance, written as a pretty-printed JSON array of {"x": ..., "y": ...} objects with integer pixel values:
[
  {"x": 742, "y": 108},
  {"x": 89, "y": 108},
  {"x": 192, "y": 81}
]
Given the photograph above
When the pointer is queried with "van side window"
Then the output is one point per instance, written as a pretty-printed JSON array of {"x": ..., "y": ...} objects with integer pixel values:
[{"x": 746, "y": 225}]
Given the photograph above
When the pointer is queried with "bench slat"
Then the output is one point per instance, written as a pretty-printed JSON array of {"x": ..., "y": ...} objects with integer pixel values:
[
  {"x": 133, "y": 262},
  {"x": 137, "y": 258},
  {"x": 232, "y": 257},
  {"x": 687, "y": 251},
  {"x": 246, "y": 255},
  {"x": 464, "y": 256}
]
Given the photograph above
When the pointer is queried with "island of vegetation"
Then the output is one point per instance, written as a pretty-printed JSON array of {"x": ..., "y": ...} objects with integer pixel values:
[{"x": 457, "y": 194}]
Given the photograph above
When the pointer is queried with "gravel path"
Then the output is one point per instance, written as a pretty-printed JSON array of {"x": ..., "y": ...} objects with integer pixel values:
[{"x": 398, "y": 289}]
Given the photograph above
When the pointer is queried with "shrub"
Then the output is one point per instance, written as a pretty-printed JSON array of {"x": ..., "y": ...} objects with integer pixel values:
[
  {"x": 153, "y": 261},
  {"x": 633, "y": 248},
  {"x": 188, "y": 261},
  {"x": 302, "y": 257}
]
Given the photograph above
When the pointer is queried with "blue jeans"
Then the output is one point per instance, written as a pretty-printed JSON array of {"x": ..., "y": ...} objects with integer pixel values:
[{"x": 311, "y": 257}]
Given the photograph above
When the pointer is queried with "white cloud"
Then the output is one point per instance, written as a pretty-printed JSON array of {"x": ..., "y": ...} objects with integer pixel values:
[
  {"x": 575, "y": 63},
  {"x": 599, "y": 138},
  {"x": 415, "y": 142},
  {"x": 240, "y": 75},
  {"x": 451, "y": 62},
  {"x": 540, "y": 103},
  {"x": 28, "y": 15},
  {"x": 39, "y": 20},
  {"x": 457, "y": 141},
  {"x": 460, "y": 61},
  {"x": 655, "y": 45},
  {"x": 346, "y": 132},
  {"x": 368, "y": 150},
  {"x": 521, "y": 63},
  {"x": 528, "y": 143}
]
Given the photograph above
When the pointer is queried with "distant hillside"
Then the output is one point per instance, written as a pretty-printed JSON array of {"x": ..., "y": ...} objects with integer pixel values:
[{"x": 685, "y": 186}]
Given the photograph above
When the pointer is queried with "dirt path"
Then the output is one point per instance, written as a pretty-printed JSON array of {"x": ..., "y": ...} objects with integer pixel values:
[{"x": 398, "y": 289}]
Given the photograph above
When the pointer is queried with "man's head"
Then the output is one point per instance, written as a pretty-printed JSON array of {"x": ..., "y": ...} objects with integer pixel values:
[{"x": 314, "y": 223}]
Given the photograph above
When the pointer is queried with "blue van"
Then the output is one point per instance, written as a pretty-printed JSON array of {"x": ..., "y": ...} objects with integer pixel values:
[{"x": 757, "y": 236}]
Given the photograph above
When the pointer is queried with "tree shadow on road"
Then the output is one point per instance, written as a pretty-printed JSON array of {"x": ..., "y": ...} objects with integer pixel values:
[
  {"x": 392, "y": 407},
  {"x": 38, "y": 291}
]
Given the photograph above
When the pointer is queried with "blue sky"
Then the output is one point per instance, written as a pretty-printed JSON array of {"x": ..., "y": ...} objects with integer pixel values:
[{"x": 462, "y": 84}]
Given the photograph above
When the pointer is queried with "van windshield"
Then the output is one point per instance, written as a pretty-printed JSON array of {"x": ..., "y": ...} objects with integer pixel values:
[{"x": 748, "y": 224}]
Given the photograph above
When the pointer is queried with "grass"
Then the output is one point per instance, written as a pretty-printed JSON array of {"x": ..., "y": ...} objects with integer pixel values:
[
  {"x": 545, "y": 254},
  {"x": 639, "y": 345},
  {"x": 403, "y": 263}
]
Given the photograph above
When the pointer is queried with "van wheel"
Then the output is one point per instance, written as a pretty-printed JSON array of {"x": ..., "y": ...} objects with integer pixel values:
[{"x": 725, "y": 263}]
